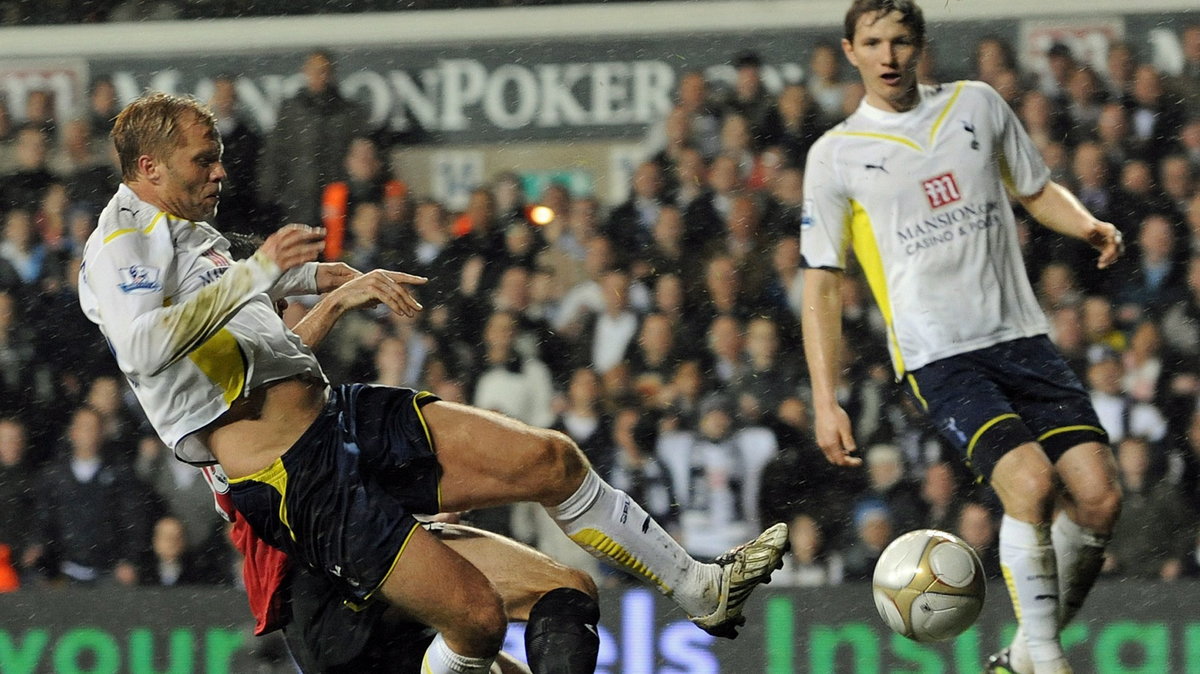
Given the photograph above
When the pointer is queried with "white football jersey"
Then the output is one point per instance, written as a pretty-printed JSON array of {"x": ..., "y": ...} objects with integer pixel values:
[
  {"x": 921, "y": 197},
  {"x": 190, "y": 329}
]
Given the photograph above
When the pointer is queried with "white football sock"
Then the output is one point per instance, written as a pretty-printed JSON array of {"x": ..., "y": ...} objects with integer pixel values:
[
  {"x": 1079, "y": 554},
  {"x": 1030, "y": 571},
  {"x": 439, "y": 659},
  {"x": 613, "y": 527}
]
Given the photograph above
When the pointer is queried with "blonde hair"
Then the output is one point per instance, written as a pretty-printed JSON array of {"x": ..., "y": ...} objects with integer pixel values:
[{"x": 153, "y": 125}]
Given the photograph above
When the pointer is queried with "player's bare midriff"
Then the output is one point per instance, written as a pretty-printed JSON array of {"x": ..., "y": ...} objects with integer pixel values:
[{"x": 260, "y": 427}]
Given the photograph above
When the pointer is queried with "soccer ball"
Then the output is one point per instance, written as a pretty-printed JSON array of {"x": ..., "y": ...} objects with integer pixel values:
[{"x": 929, "y": 585}]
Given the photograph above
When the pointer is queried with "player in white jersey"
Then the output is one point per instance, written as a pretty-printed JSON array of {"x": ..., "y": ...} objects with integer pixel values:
[
  {"x": 917, "y": 182},
  {"x": 334, "y": 475}
]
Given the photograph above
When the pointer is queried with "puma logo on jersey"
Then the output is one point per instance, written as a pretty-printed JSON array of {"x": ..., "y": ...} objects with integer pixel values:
[
  {"x": 970, "y": 128},
  {"x": 877, "y": 167}
]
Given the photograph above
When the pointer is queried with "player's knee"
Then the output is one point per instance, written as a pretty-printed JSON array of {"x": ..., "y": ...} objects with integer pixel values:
[
  {"x": 580, "y": 580},
  {"x": 557, "y": 463},
  {"x": 1100, "y": 509},
  {"x": 1029, "y": 494},
  {"x": 480, "y": 630}
]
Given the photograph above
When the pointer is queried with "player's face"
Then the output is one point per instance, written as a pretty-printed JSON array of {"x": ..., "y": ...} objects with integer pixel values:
[
  {"x": 885, "y": 52},
  {"x": 191, "y": 176}
]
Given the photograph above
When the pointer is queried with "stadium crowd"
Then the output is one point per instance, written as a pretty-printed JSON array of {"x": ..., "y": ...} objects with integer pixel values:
[{"x": 661, "y": 333}]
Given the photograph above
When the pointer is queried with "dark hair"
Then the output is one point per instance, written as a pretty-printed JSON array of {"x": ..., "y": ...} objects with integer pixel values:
[
  {"x": 910, "y": 16},
  {"x": 242, "y": 246}
]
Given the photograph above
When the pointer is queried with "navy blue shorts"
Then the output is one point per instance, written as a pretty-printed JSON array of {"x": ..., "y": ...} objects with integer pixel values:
[
  {"x": 342, "y": 499},
  {"x": 989, "y": 401}
]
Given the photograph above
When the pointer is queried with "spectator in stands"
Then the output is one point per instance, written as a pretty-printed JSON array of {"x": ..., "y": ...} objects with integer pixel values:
[
  {"x": 630, "y": 225},
  {"x": 738, "y": 144},
  {"x": 18, "y": 364},
  {"x": 102, "y": 106},
  {"x": 1091, "y": 181},
  {"x": 782, "y": 294},
  {"x": 1177, "y": 180},
  {"x": 512, "y": 383},
  {"x": 888, "y": 484},
  {"x": 1112, "y": 133},
  {"x": 1189, "y": 143},
  {"x": 586, "y": 297},
  {"x": 1155, "y": 116},
  {"x": 17, "y": 490},
  {"x": 1100, "y": 325},
  {"x": 182, "y": 491},
  {"x": 811, "y": 561},
  {"x": 796, "y": 123},
  {"x": 1057, "y": 287},
  {"x": 709, "y": 479},
  {"x": 584, "y": 420},
  {"x": 1121, "y": 415},
  {"x": 1181, "y": 321},
  {"x": 364, "y": 181},
  {"x": 654, "y": 357},
  {"x": 976, "y": 524},
  {"x": 310, "y": 139},
  {"x": 693, "y": 117},
  {"x": 635, "y": 469},
  {"x": 939, "y": 496},
  {"x": 1186, "y": 85},
  {"x": 1038, "y": 116},
  {"x": 23, "y": 187},
  {"x": 1066, "y": 331},
  {"x": 1118, "y": 72},
  {"x": 1085, "y": 94},
  {"x": 88, "y": 523},
  {"x": 428, "y": 254},
  {"x": 1143, "y": 363},
  {"x": 612, "y": 330},
  {"x": 1152, "y": 278},
  {"x": 1145, "y": 542},
  {"x": 825, "y": 83},
  {"x": 993, "y": 57},
  {"x": 243, "y": 144},
  {"x": 748, "y": 97},
  {"x": 770, "y": 376},
  {"x": 21, "y": 247},
  {"x": 1060, "y": 64},
  {"x": 171, "y": 562},
  {"x": 873, "y": 530},
  {"x": 725, "y": 358}
]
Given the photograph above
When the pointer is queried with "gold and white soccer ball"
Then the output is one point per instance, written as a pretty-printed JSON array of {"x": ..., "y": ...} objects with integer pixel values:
[{"x": 929, "y": 585}]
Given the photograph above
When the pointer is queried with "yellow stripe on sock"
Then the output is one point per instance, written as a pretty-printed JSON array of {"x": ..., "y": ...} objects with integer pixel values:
[
  {"x": 1012, "y": 591},
  {"x": 596, "y": 541}
]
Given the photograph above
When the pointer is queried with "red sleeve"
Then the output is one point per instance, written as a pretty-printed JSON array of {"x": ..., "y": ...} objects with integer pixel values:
[{"x": 264, "y": 571}]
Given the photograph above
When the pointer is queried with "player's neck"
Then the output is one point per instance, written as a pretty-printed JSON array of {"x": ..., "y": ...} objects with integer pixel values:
[{"x": 909, "y": 100}]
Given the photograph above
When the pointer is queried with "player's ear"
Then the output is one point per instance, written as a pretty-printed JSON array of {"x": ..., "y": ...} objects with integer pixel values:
[
  {"x": 149, "y": 167},
  {"x": 848, "y": 50}
]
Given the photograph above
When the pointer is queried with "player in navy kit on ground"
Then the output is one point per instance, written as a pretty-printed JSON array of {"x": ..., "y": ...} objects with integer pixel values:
[
  {"x": 333, "y": 476},
  {"x": 917, "y": 181}
]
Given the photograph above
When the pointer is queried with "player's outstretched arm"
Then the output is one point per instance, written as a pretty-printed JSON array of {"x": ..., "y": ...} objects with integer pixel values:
[
  {"x": 822, "y": 328},
  {"x": 1056, "y": 208},
  {"x": 390, "y": 288}
]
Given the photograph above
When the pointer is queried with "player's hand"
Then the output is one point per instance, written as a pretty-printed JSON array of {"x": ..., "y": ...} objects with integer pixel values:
[
  {"x": 835, "y": 438},
  {"x": 293, "y": 245},
  {"x": 334, "y": 275},
  {"x": 1107, "y": 239},
  {"x": 390, "y": 288}
]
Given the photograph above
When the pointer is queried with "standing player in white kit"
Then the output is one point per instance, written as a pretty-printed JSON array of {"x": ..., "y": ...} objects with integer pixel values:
[{"x": 917, "y": 181}]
